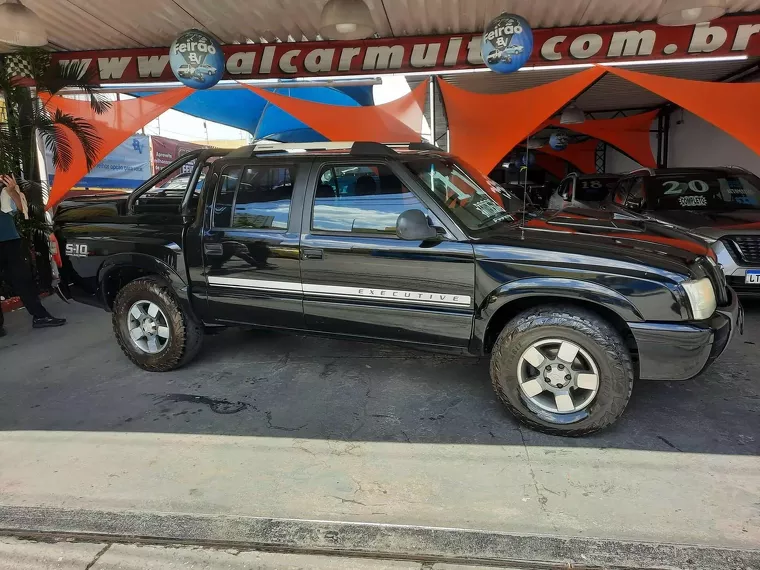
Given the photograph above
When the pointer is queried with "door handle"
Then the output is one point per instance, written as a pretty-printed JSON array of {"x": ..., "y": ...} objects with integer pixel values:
[
  {"x": 213, "y": 249},
  {"x": 311, "y": 253}
]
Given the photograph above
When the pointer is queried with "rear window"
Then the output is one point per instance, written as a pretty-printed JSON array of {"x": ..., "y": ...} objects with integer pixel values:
[
  {"x": 254, "y": 197},
  {"x": 594, "y": 189},
  {"x": 703, "y": 190}
]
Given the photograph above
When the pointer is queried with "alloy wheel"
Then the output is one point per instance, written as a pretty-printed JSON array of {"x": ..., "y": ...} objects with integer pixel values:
[
  {"x": 558, "y": 376},
  {"x": 148, "y": 327}
]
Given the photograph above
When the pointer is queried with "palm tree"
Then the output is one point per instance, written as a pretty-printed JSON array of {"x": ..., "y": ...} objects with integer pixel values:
[{"x": 26, "y": 116}]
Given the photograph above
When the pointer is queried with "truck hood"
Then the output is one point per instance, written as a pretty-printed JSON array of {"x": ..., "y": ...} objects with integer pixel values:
[
  {"x": 86, "y": 208},
  {"x": 714, "y": 224},
  {"x": 598, "y": 238}
]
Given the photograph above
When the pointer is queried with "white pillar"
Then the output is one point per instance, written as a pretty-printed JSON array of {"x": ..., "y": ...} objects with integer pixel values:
[{"x": 431, "y": 96}]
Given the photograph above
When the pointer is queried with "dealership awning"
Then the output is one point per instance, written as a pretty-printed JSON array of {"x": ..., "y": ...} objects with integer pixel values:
[
  {"x": 113, "y": 24},
  {"x": 610, "y": 93},
  {"x": 277, "y": 32},
  {"x": 271, "y": 41}
]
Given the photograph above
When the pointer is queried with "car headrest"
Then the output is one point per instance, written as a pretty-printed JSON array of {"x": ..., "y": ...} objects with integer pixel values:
[
  {"x": 390, "y": 185},
  {"x": 325, "y": 191},
  {"x": 365, "y": 186}
]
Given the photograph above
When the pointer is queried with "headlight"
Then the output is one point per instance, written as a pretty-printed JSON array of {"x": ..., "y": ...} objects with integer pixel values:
[{"x": 701, "y": 297}]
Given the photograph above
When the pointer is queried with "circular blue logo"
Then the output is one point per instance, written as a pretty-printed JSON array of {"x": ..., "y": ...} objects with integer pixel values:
[
  {"x": 558, "y": 141},
  {"x": 507, "y": 43},
  {"x": 196, "y": 59}
]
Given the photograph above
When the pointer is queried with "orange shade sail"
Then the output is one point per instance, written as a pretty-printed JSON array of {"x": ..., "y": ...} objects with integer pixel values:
[
  {"x": 484, "y": 127},
  {"x": 732, "y": 107},
  {"x": 628, "y": 134},
  {"x": 581, "y": 155},
  {"x": 551, "y": 164},
  {"x": 114, "y": 126},
  {"x": 396, "y": 121}
]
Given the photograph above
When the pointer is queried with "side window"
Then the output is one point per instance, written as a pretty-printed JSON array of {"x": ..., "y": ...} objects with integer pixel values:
[
  {"x": 328, "y": 185},
  {"x": 172, "y": 184},
  {"x": 263, "y": 198},
  {"x": 175, "y": 181},
  {"x": 225, "y": 196},
  {"x": 636, "y": 194},
  {"x": 360, "y": 199},
  {"x": 195, "y": 196},
  {"x": 621, "y": 192},
  {"x": 562, "y": 190}
]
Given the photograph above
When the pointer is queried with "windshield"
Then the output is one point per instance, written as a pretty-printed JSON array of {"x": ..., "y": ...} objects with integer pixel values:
[
  {"x": 594, "y": 189},
  {"x": 474, "y": 200},
  {"x": 703, "y": 191}
]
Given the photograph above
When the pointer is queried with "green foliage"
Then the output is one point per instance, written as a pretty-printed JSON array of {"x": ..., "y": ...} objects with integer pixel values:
[
  {"x": 27, "y": 116},
  {"x": 36, "y": 228}
]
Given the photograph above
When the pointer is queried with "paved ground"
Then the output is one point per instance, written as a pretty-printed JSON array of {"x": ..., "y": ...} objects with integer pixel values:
[
  {"x": 16, "y": 554},
  {"x": 271, "y": 425},
  {"x": 254, "y": 383}
]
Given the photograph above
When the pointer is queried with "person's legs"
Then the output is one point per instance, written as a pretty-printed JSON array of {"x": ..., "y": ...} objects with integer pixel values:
[
  {"x": 3, "y": 277},
  {"x": 20, "y": 278},
  {"x": 17, "y": 272}
]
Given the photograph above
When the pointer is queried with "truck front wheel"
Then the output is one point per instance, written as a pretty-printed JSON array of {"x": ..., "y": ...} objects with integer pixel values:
[
  {"x": 562, "y": 370},
  {"x": 152, "y": 328}
]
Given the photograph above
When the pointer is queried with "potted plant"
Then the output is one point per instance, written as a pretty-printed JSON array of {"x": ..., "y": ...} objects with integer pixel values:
[{"x": 23, "y": 118}]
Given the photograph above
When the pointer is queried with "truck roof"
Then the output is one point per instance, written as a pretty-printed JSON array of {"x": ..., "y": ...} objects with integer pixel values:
[
  {"x": 354, "y": 148},
  {"x": 689, "y": 170}
]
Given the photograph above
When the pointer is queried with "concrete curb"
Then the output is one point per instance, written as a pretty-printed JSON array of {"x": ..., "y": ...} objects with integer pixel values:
[{"x": 369, "y": 540}]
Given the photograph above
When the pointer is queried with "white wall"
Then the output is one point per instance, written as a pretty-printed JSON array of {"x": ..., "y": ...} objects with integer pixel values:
[
  {"x": 694, "y": 142},
  {"x": 618, "y": 162}
]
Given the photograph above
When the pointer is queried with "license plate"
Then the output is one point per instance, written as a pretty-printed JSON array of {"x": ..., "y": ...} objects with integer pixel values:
[{"x": 752, "y": 277}]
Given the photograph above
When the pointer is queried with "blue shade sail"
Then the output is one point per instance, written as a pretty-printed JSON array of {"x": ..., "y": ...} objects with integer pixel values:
[{"x": 243, "y": 109}]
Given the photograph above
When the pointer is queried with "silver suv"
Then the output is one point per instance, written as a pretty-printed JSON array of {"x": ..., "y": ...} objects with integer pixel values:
[{"x": 721, "y": 205}]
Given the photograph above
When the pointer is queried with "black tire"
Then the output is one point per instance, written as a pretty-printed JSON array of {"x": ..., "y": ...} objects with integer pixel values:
[
  {"x": 589, "y": 331},
  {"x": 186, "y": 334}
]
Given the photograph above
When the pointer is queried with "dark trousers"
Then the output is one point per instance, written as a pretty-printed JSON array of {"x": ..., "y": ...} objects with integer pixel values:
[{"x": 14, "y": 270}]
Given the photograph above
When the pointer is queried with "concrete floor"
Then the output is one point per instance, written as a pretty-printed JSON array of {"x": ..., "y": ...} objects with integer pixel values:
[
  {"x": 18, "y": 554},
  {"x": 345, "y": 431},
  {"x": 254, "y": 383}
]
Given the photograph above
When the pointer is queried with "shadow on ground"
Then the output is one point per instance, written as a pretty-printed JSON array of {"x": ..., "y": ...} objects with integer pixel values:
[{"x": 270, "y": 384}]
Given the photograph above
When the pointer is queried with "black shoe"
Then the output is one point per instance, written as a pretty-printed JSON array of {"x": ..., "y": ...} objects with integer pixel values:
[
  {"x": 2, "y": 332},
  {"x": 46, "y": 322}
]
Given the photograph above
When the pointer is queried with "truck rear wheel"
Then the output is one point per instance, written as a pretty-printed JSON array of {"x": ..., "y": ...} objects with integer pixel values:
[
  {"x": 152, "y": 328},
  {"x": 562, "y": 370}
]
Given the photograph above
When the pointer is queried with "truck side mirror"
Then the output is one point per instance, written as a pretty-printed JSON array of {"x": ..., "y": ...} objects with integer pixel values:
[{"x": 413, "y": 225}]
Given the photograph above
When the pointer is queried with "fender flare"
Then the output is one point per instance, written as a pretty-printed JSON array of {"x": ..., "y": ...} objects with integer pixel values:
[
  {"x": 558, "y": 287},
  {"x": 149, "y": 264}
]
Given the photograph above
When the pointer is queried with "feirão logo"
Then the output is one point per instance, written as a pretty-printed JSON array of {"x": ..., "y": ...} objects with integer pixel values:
[
  {"x": 196, "y": 59},
  {"x": 507, "y": 43}
]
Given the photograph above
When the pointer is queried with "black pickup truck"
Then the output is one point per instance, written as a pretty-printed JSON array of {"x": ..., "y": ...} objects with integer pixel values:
[{"x": 404, "y": 245}]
